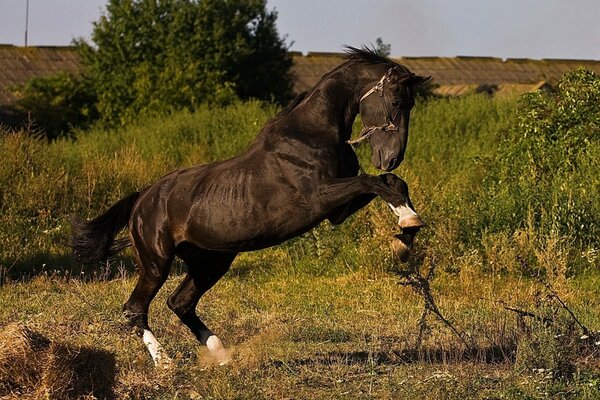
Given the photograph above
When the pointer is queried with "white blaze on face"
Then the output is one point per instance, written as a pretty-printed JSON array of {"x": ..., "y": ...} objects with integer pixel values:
[
  {"x": 154, "y": 347},
  {"x": 403, "y": 212},
  {"x": 217, "y": 350}
]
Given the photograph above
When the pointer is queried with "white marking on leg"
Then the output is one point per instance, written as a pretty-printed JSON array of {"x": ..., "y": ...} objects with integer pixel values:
[
  {"x": 403, "y": 212},
  {"x": 154, "y": 347},
  {"x": 217, "y": 350}
]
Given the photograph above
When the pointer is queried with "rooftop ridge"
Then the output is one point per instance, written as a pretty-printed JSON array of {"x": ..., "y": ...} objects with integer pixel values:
[{"x": 19, "y": 63}]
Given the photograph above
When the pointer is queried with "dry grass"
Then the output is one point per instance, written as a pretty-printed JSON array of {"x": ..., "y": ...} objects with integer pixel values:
[
  {"x": 32, "y": 366},
  {"x": 293, "y": 336}
]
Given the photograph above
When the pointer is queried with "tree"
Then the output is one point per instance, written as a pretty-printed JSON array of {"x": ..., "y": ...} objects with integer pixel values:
[
  {"x": 163, "y": 55},
  {"x": 381, "y": 48}
]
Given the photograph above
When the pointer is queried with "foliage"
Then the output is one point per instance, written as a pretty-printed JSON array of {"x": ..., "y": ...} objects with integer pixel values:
[
  {"x": 57, "y": 104},
  {"x": 467, "y": 167},
  {"x": 165, "y": 55},
  {"x": 381, "y": 48},
  {"x": 547, "y": 164}
]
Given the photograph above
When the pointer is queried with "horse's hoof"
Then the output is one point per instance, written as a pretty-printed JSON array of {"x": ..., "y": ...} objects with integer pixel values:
[
  {"x": 408, "y": 219},
  {"x": 217, "y": 351},
  {"x": 411, "y": 223},
  {"x": 402, "y": 245}
]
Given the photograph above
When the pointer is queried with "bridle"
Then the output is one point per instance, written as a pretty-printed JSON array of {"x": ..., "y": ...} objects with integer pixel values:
[{"x": 389, "y": 125}]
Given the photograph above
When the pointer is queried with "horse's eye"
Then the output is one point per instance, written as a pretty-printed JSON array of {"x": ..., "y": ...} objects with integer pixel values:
[{"x": 395, "y": 103}]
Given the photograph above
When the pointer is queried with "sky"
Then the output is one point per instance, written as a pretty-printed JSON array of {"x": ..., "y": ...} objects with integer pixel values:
[{"x": 499, "y": 28}]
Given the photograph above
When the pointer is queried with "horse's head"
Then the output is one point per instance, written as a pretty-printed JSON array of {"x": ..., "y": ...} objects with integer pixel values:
[{"x": 385, "y": 112}]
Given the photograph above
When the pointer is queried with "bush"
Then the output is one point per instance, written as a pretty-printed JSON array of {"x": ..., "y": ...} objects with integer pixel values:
[
  {"x": 56, "y": 104},
  {"x": 152, "y": 57},
  {"x": 548, "y": 164}
]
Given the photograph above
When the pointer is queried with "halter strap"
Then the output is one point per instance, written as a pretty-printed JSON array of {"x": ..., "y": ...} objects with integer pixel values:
[{"x": 389, "y": 125}]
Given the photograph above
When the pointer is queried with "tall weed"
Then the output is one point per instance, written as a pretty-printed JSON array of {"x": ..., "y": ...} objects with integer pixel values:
[{"x": 515, "y": 182}]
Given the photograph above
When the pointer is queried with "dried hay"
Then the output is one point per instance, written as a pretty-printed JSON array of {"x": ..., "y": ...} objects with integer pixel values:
[{"x": 32, "y": 366}]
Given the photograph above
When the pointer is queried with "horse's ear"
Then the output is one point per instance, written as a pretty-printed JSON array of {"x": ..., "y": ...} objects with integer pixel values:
[{"x": 417, "y": 80}]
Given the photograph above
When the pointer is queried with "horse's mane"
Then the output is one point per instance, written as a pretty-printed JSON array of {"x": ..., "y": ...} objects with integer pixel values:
[
  {"x": 363, "y": 55},
  {"x": 366, "y": 55}
]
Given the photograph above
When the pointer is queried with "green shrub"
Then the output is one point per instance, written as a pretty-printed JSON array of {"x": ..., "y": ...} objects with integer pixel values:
[
  {"x": 161, "y": 56},
  {"x": 548, "y": 164},
  {"x": 56, "y": 104}
]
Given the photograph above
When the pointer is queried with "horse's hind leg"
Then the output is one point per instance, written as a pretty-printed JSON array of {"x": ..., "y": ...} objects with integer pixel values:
[
  {"x": 154, "y": 265},
  {"x": 205, "y": 268}
]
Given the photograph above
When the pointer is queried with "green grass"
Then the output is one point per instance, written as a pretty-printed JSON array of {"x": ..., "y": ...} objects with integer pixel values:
[{"x": 324, "y": 315}]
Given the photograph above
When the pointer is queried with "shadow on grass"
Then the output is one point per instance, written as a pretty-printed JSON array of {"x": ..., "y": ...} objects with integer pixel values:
[
  {"x": 63, "y": 265},
  {"x": 93, "y": 373},
  {"x": 244, "y": 269},
  {"x": 484, "y": 355}
]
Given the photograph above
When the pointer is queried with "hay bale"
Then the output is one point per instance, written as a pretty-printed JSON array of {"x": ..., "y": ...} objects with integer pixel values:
[
  {"x": 22, "y": 352},
  {"x": 33, "y": 365}
]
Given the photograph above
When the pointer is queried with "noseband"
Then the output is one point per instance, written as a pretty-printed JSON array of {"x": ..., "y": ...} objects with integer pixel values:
[{"x": 389, "y": 125}]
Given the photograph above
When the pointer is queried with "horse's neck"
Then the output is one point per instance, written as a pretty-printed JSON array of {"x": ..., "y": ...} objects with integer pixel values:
[{"x": 334, "y": 104}]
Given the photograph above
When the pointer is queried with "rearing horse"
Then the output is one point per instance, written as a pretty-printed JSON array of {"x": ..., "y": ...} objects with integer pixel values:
[{"x": 299, "y": 171}]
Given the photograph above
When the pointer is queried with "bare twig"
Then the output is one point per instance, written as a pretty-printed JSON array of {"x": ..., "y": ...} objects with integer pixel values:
[
  {"x": 555, "y": 295},
  {"x": 420, "y": 284},
  {"x": 521, "y": 312}
]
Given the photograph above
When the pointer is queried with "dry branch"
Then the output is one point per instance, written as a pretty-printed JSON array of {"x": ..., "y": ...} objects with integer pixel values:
[{"x": 421, "y": 284}]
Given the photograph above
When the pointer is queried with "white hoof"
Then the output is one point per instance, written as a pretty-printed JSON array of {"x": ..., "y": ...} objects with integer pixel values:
[
  {"x": 159, "y": 356},
  {"x": 407, "y": 217},
  {"x": 217, "y": 350}
]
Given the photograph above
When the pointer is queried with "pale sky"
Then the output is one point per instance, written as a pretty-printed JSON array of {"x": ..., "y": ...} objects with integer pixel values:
[{"x": 500, "y": 28}]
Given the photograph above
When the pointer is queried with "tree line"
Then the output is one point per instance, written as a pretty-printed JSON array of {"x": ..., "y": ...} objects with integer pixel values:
[{"x": 158, "y": 56}]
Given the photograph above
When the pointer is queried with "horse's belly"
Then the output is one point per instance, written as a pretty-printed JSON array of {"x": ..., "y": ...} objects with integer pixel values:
[
  {"x": 242, "y": 231},
  {"x": 249, "y": 222}
]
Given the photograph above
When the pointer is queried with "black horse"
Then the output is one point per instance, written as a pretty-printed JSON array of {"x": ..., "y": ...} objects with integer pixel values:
[{"x": 299, "y": 171}]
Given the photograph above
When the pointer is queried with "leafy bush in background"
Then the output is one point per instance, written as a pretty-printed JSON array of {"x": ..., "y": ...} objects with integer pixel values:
[
  {"x": 548, "y": 164},
  {"x": 57, "y": 104},
  {"x": 150, "y": 57}
]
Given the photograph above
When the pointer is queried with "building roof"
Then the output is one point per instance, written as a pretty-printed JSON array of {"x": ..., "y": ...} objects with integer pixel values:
[
  {"x": 452, "y": 75},
  {"x": 455, "y": 75},
  {"x": 19, "y": 64}
]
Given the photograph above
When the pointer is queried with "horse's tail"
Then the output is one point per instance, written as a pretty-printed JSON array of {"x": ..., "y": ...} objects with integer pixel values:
[{"x": 94, "y": 240}]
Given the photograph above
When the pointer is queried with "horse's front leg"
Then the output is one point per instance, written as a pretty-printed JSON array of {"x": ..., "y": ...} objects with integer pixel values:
[
  {"x": 408, "y": 219},
  {"x": 340, "y": 214},
  {"x": 358, "y": 191}
]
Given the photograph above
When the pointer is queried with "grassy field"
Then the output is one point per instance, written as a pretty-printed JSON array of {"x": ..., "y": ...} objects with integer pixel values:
[{"x": 330, "y": 314}]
